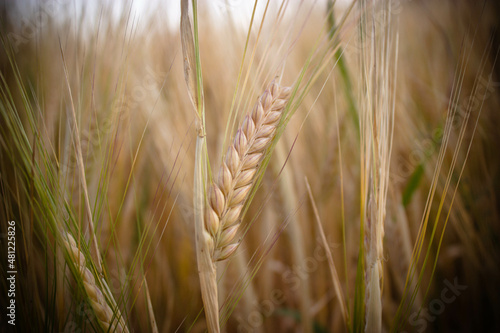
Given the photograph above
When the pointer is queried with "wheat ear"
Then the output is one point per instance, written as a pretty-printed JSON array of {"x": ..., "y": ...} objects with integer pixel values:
[
  {"x": 228, "y": 193},
  {"x": 108, "y": 321}
]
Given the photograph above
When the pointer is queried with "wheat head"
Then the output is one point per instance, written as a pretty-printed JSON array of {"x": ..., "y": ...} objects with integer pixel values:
[
  {"x": 108, "y": 321},
  {"x": 228, "y": 192}
]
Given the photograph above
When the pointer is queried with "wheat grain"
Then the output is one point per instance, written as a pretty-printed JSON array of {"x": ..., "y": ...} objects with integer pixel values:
[
  {"x": 109, "y": 321},
  {"x": 228, "y": 193}
]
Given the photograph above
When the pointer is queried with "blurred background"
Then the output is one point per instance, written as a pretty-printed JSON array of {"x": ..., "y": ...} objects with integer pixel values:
[{"x": 106, "y": 78}]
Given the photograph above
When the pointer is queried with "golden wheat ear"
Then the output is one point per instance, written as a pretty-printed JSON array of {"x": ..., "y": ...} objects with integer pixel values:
[
  {"x": 229, "y": 191},
  {"x": 110, "y": 321}
]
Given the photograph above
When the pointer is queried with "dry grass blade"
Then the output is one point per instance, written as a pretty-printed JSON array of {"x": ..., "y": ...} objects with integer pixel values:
[
  {"x": 109, "y": 320},
  {"x": 188, "y": 53},
  {"x": 152, "y": 319},
  {"x": 228, "y": 193},
  {"x": 294, "y": 231},
  {"x": 331, "y": 265}
]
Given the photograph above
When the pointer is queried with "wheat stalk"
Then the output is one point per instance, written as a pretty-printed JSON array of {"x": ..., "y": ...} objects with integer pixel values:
[
  {"x": 109, "y": 321},
  {"x": 228, "y": 193}
]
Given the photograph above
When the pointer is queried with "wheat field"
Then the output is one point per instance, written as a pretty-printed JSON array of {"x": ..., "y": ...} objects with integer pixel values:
[{"x": 250, "y": 166}]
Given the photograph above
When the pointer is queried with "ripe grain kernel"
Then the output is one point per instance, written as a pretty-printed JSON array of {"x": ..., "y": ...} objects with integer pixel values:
[
  {"x": 237, "y": 173},
  {"x": 103, "y": 312}
]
